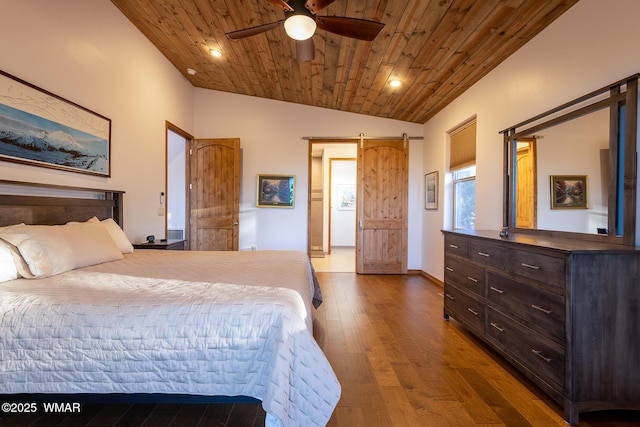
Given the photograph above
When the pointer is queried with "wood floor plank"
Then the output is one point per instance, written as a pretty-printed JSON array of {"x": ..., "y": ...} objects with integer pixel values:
[
  {"x": 110, "y": 414},
  {"x": 215, "y": 416},
  {"x": 189, "y": 415},
  {"x": 135, "y": 415},
  {"x": 162, "y": 415}
]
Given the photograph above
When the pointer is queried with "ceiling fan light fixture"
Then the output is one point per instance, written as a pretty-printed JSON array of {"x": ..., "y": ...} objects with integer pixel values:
[{"x": 300, "y": 27}]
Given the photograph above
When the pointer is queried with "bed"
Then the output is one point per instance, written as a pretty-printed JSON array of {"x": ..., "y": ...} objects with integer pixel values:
[{"x": 162, "y": 324}]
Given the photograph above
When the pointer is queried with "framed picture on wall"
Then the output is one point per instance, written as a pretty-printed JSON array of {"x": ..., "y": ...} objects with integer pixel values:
[
  {"x": 42, "y": 129},
  {"x": 431, "y": 191},
  {"x": 275, "y": 191},
  {"x": 346, "y": 197},
  {"x": 569, "y": 192}
]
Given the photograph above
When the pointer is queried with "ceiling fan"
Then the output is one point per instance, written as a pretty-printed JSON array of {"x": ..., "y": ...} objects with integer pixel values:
[{"x": 301, "y": 21}]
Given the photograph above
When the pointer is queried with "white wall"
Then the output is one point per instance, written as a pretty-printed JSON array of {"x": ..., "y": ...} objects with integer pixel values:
[
  {"x": 589, "y": 47},
  {"x": 176, "y": 182},
  {"x": 343, "y": 221},
  {"x": 88, "y": 53},
  {"x": 271, "y": 138}
]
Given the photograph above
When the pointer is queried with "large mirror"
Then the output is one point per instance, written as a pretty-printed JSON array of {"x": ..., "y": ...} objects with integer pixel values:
[{"x": 572, "y": 169}]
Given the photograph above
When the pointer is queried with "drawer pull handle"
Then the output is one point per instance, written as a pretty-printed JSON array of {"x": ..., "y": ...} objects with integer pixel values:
[
  {"x": 497, "y": 327},
  {"x": 453, "y": 246},
  {"x": 533, "y": 267},
  {"x": 544, "y": 310},
  {"x": 472, "y": 279},
  {"x": 473, "y": 311},
  {"x": 541, "y": 355},
  {"x": 449, "y": 268},
  {"x": 451, "y": 297},
  {"x": 500, "y": 291},
  {"x": 484, "y": 254}
]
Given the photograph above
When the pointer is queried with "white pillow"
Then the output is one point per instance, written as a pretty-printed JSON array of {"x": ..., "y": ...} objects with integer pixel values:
[
  {"x": 90, "y": 244},
  {"x": 118, "y": 235},
  {"x": 8, "y": 270},
  {"x": 53, "y": 249}
]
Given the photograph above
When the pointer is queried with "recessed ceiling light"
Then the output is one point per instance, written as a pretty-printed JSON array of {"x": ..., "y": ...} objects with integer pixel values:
[
  {"x": 215, "y": 52},
  {"x": 191, "y": 71},
  {"x": 395, "y": 83}
]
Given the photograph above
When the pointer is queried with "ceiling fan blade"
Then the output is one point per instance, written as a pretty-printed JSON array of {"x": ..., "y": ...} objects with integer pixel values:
[
  {"x": 361, "y": 29},
  {"x": 315, "y": 5},
  {"x": 282, "y": 4},
  {"x": 305, "y": 50},
  {"x": 248, "y": 32}
]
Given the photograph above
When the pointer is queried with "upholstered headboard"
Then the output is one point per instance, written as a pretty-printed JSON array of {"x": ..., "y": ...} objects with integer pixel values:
[{"x": 33, "y": 203}]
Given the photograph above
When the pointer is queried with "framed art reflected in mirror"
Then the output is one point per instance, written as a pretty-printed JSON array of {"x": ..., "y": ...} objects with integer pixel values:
[{"x": 569, "y": 192}]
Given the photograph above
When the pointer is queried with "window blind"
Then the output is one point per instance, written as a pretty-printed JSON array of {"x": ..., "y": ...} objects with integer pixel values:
[{"x": 463, "y": 146}]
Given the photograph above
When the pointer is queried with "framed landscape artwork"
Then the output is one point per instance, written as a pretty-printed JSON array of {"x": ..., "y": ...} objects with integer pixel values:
[
  {"x": 431, "y": 191},
  {"x": 42, "y": 129},
  {"x": 275, "y": 191},
  {"x": 569, "y": 192}
]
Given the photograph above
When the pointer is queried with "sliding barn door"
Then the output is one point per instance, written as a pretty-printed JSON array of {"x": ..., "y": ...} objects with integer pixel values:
[
  {"x": 381, "y": 242},
  {"x": 215, "y": 194}
]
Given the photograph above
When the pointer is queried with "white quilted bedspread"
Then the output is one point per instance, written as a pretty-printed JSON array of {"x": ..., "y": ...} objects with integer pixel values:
[{"x": 118, "y": 328}]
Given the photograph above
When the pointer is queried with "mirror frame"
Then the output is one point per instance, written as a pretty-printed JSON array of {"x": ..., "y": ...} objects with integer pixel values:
[{"x": 613, "y": 96}]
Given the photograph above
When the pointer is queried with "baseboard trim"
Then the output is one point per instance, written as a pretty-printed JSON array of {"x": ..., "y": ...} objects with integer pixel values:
[{"x": 431, "y": 278}]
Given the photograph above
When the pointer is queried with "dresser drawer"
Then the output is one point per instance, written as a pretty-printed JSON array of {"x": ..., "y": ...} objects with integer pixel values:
[
  {"x": 464, "y": 308},
  {"x": 487, "y": 254},
  {"x": 539, "y": 354},
  {"x": 464, "y": 274},
  {"x": 543, "y": 309},
  {"x": 456, "y": 245},
  {"x": 543, "y": 268}
]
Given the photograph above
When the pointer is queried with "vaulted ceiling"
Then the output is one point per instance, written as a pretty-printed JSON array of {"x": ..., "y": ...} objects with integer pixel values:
[{"x": 436, "y": 48}]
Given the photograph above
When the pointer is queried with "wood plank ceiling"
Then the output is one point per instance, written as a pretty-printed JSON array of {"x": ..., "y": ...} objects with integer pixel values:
[{"x": 436, "y": 48}]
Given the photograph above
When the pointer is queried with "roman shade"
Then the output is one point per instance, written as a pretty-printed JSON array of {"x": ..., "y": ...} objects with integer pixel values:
[{"x": 463, "y": 146}]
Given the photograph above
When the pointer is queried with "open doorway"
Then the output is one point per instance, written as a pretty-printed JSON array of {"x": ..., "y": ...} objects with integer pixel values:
[
  {"x": 332, "y": 213},
  {"x": 176, "y": 224}
]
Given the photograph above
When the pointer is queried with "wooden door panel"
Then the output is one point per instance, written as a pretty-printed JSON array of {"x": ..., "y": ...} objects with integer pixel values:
[
  {"x": 214, "y": 239},
  {"x": 383, "y": 250},
  {"x": 215, "y": 194},
  {"x": 526, "y": 198},
  {"x": 382, "y": 207}
]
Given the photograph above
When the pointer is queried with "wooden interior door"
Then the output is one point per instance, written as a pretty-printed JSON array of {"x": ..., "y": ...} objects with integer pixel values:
[
  {"x": 214, "y": 194},
  {"x": 316, "y": 212},
  {"x": 526, "y": 183},
  {"x": 381, "y": 243}
]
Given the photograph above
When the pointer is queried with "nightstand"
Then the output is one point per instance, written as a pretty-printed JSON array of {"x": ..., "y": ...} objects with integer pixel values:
[{"x": 165, "y": 244}]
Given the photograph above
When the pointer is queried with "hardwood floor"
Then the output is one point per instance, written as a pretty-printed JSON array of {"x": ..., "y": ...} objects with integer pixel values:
[{"x": 399, "y": 363}]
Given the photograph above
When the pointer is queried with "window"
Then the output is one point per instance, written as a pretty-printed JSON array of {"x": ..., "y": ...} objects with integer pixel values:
[
  {"x": 462, "y": 165},
  {"x": 464, "y": 198}
]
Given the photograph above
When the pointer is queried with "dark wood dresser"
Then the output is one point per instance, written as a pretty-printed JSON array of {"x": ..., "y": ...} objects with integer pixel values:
[{"x": 565, "y": 312}]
